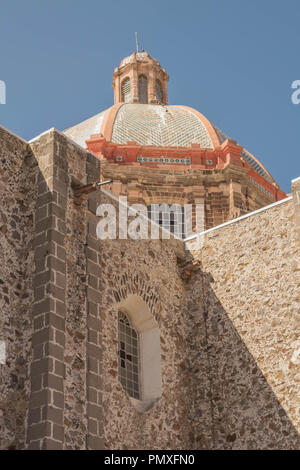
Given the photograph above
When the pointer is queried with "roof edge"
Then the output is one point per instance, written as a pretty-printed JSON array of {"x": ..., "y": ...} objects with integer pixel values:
[{"x": 108, "y": 121}]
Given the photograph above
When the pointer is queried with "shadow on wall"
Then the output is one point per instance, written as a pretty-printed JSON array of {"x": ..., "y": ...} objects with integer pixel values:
[
  {"x": 234, "y": 399},
  {"x": 17, "y": 205}
]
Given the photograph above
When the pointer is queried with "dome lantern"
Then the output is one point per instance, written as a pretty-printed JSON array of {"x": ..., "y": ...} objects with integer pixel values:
[{"x": 140, "y": 79}]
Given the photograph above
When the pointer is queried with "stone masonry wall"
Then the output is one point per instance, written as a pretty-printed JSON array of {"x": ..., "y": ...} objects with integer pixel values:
[
  {"x": 115, "y": 270},
  {"x": 97, "y": 412},
  {"x": 229, "y": 333},
  {"x": 149, "y": 270},
  {"x": 17, "y": 204},
  {"x": 225, "y": 194},
  {"x": 76, "y": 286},
  {"x": 247, "y": 296},
  {"x": 58, "y": 402}
]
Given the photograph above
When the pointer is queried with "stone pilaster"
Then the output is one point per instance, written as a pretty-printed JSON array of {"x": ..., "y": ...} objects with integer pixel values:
[
  {"x": 45, "y": 421},
  {"x": 94, "y": 327}
]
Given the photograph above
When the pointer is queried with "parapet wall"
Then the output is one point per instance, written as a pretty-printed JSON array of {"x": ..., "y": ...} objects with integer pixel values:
[
  {"x": 229, "y": 333},
  {"x": 247, "y": 291}
]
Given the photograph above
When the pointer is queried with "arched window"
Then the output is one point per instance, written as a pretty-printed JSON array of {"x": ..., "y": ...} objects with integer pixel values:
[
  {"x": 126, "y": 90},
  {"x": 170, "y": 217},
  {"x": 143, "y": 89},
  {"x": 128, "y": 357},
  {"x": 139, "y": 361},
  {"x": 158, "y": 91}
]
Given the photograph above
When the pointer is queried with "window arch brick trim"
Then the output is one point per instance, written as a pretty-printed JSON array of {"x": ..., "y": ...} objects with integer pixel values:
[{"x": 131, "y": 284}]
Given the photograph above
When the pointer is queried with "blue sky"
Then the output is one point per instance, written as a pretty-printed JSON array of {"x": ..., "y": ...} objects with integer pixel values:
[{"x": 233, "y": 60}]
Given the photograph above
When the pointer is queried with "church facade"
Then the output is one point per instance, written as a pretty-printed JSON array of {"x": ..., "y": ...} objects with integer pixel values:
[{"x": 146, "y": 344}]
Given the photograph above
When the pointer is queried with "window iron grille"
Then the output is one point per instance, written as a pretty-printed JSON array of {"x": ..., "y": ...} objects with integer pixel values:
[{"x": 128, "y": 367}]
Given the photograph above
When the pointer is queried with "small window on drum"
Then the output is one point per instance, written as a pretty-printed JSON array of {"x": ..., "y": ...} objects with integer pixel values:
[
  {"x": 128, "y": 370},
  {"x": 143, "y": 89},
  {"x": 158, "y": 91},
  {"x": 126, "y": 90},
  {"x": 170, "y": 217}
]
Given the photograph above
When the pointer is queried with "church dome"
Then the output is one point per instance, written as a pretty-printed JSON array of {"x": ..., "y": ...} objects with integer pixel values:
[
  {"x": 146, "y": 124},
  {"x": 158, "y": 126},
  {"x": 141, "y": 114},
  {"x": 161, "y": 126}
]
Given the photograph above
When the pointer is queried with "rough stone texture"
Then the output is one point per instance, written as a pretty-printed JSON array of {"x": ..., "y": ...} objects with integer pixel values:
[
  {"x": 17, "y": 201},
  {"x": 225, "y": 194},
  {"x": 75, "y": 385},
  {"x": 155, "y": 279},
  {"x": 247, "y": 293},
  {"x": 229, "y": 331}
]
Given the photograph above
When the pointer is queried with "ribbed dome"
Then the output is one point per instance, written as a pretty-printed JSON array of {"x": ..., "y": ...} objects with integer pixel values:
[
  {"x": 161, "y": 126},
  {"x": 146, "y": 124},
  {"x": 156, "y": 125}
]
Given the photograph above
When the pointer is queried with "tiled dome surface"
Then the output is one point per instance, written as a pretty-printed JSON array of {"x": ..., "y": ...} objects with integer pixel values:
[
  {"x": 82, "y": 131},
  {"x": 162, "y": 126}
]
